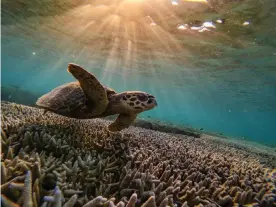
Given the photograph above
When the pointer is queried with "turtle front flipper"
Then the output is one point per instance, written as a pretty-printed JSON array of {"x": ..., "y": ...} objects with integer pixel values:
[
  {"x": 92, "y": 88},
  {"x": 123, "y": 121}
]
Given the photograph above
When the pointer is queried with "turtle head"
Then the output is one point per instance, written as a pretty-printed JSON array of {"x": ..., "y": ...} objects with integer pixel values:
[{"x": 138, "y": 101}]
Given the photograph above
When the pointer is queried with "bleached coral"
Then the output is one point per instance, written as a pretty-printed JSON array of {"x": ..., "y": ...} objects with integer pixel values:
[{"x": 49, "y": 160}]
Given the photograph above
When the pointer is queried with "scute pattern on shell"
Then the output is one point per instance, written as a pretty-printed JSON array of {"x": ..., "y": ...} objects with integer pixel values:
[
  {"x": 65, "y": 98},
  {"x": 87, "y": 166}
]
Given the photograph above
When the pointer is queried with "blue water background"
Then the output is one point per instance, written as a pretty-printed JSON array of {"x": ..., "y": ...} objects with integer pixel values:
[{"x": 237, "y": 103}]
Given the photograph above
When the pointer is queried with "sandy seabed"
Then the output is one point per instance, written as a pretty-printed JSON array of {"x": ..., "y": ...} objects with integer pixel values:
[{"x": 50, "y": 160}]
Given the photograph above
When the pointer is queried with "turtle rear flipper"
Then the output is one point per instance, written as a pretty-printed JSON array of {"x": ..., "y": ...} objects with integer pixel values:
[
  {"x": 123, "y": 121},
  {"x": 91, "y": 87}
]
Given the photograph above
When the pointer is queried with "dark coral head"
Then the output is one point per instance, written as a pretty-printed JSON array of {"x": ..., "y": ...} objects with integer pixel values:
[{"x": 49, "y": 182}]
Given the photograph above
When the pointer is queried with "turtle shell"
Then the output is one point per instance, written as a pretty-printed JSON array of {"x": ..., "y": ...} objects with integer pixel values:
[{"x": 69, "y": 100}]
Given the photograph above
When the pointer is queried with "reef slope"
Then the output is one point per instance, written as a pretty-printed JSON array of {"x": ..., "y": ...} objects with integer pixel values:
[{"x": 50, "y": 160}]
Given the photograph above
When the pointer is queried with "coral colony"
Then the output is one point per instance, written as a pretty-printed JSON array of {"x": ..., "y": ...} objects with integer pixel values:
[{"x": 50, "y": 160}]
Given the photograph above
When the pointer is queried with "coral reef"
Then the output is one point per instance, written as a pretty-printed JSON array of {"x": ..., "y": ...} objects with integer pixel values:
[
  {"x": 49, "y": 160},
  {"x": 162, "y": 127}
]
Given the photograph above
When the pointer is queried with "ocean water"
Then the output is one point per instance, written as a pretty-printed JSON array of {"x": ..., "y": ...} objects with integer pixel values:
[{"x": 211, "y": 65}]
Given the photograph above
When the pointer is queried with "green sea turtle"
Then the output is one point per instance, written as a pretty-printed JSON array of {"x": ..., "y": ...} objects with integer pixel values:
[{"x": 88, "y": 98}]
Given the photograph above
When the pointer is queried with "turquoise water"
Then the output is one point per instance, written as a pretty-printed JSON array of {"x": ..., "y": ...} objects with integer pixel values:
[{"x": 232, "y": 92}]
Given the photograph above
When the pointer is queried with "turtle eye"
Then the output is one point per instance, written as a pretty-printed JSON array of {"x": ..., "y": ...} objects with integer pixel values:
[
  {"x": 142, "y": 98},
  {"x": 149, "y": 101}
]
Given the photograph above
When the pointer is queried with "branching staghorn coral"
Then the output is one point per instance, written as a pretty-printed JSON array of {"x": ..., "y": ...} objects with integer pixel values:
[{"x": 72, "y": 162}]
